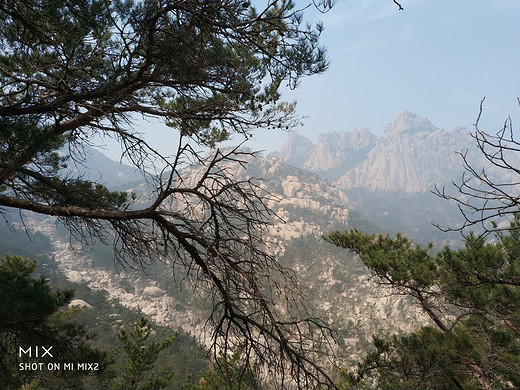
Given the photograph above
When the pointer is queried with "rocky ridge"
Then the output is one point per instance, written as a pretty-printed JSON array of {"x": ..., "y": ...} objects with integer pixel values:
[
  {"x": 390, "y": 178},
  {"x": 338, "y": 286},
  {"x": 409, "y": 162},
  {"x": 411, "y": 156}
]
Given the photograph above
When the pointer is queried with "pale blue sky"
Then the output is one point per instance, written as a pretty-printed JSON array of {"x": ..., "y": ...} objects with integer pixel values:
[{"x": 437, "y": 58}]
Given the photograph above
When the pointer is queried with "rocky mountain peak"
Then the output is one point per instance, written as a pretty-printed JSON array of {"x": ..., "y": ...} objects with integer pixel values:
[
  {"x": 343, "y": 140},
  {"x": 407, "y": 122},
  {"x": 411, "y": 156},
  {"x": 333, "y": 154},
  {"x": 296, "y": 149}
]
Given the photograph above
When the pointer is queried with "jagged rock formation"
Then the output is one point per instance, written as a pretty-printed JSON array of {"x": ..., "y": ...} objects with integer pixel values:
[
  {"x": 389, "y": 178},
  {"x": 296, "y": 149},
  {"x": 334, "y": 153},
  {"x": 411, "y": 156},
  {"x": 338, "y": 152},
  {"x": 337, "y": 284},
  {"x": 407, "y": 122},
  {"x": 412, "y": 161}
]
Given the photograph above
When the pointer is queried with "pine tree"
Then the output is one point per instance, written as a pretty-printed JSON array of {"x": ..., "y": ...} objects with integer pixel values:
[
  {"x": 227, "y": 374},
  {"x": 31, "y": 316},
  {"x": 73, "y": 71},
  {"x": 139, "y": 356},
  {"x": 472, "y": 296}
]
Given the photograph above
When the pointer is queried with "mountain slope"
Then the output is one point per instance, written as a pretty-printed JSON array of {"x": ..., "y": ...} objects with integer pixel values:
[
  {"x": 411, "y": 156},
  {"x": 337, "y": 285},
  {"x": 98, "y": 167}
]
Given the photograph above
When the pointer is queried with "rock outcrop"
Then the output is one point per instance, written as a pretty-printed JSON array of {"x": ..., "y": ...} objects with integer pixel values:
[
  {"x": 409, "y": 159},
  {"x": 296, "y": 149},
  {"x": 411, "y": 156},
  {"x": 304, "y": 207}
]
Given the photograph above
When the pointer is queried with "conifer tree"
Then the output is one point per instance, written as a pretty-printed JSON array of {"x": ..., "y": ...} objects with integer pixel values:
[
  {"x": 75, "y": 71},
  {"x": 139, "y": 356},
  {"x": 472, "y": 296},
  {"x": 227, "y": 374},
  {"x": 31, "y": 316}
]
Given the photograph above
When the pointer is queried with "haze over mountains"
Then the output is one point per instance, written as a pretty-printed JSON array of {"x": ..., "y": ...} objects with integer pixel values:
[
  {"x": 99, "y": 167},
  {"x": 411, "y": 155},
  {"x": 316, "y": 188},
  {"x": 389, "y": 178}
]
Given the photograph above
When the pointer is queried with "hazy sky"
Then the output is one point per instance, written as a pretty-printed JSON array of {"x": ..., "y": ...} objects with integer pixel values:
[{"x": 437, "y": 58}]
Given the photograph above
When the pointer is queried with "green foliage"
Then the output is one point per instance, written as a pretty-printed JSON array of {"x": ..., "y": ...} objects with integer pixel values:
[
  {"x": 226, "y": 374},
  {"x": 30, "y": 316},
  {"x": 140, "y": 356},
  {"x": 70, "y": 69},
  {"x": 26, "y": 301},
  {"x": 185, "y": 356},
  {"x": 472, "y": 295},
  {"x": 395, "y": 261}
]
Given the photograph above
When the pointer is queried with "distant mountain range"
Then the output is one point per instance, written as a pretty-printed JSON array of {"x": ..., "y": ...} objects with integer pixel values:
[
  {"x": 99, "y": 168},
  {"x": 389, "y": 178},
  {"x": 333, "y": 184},
  {"x": 411, "y": 156}
]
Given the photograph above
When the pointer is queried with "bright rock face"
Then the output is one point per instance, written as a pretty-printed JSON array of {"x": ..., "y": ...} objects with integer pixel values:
[{"x": 412, "y": 156}]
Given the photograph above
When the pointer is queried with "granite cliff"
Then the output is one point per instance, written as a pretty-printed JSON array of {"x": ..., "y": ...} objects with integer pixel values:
[
  {"x": 389, "y": 178},
  {"x": 411, "y": 156}
]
